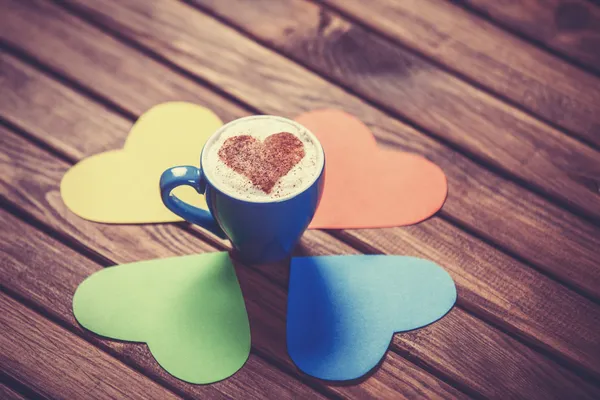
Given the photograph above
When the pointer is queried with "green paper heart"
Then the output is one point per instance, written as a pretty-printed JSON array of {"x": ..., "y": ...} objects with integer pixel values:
[{"x": 189, "y": 310}]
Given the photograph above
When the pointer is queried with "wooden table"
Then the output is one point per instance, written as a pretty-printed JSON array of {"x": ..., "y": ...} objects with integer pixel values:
[{"x": 504, "y": 96}]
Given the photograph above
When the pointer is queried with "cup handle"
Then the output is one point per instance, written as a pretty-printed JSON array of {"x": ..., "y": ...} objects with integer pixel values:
[{"x": 191, "y": 176}]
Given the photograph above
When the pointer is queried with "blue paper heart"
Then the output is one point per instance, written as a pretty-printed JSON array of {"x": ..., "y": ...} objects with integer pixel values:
[{"x": 344, "y": 310}]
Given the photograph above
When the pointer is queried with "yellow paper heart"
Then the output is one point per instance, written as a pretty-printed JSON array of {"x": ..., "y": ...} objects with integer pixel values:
[{"x": 121, "y": 186}]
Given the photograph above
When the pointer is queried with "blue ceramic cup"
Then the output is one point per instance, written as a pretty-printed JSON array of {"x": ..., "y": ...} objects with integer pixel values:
[{"x": 260, "y": 231}]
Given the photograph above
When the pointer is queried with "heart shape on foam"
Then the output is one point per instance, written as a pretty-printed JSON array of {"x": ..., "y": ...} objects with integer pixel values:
[
  {"x": 344, "y": 310},
  {"x": 367, "y": 186},
  {"x": 189, "y": 310},
  {"x": 264, "y": 163},
  {"x": 121, "y": 186}
]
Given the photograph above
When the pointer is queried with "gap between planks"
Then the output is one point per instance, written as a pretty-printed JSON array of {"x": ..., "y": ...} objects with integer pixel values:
[{"x": 19, "y": 389}]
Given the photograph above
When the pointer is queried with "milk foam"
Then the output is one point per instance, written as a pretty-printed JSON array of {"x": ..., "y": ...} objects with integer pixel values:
[{"x": 299, "y": 178}]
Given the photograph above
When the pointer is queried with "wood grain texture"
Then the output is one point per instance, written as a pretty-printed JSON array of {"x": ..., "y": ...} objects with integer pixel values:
[
  {"x": 545, "y": 85},
  {"x": 556, "y": 328},
  {"x": 539, "y": 232},
  {"x": 52, "y": 287},
  {"x": 82, "y": 48},
  {"x": 266, "y": 306},
  {"x": 60, "y": 365},
  {"x": 7, "y": 393},
  {"x": 479, "y": 273},
  {"x": 437, "y": 101},
  {"x": 571, "y": 27}
]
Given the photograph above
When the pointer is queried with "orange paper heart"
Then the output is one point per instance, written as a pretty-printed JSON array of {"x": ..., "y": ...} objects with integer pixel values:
[{"x": 366, "y": 186}]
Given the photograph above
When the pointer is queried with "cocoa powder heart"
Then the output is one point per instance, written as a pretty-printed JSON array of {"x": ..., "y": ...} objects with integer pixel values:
[{"x": 264, "y": 163}]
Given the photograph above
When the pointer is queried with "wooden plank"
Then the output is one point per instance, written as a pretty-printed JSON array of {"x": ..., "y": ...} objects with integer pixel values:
[
  {"x": 7, "y": 393},
  {"x": 569, "y": 27},
  {"x": 435, "y": 100},
  {"x": 52, "y": 287},
  {"x": 60, "y": 365},
  {"x": 516, "y": 359},
  {"x": 543, "y": 84},
  {"x": 479, "y": 199}
]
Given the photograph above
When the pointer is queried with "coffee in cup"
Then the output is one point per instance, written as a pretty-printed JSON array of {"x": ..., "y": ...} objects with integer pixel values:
[{"x": 262, "y": 159}]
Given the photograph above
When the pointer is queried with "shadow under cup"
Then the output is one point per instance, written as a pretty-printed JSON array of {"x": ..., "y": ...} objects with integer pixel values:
[{"x": 261, "y": 232}]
